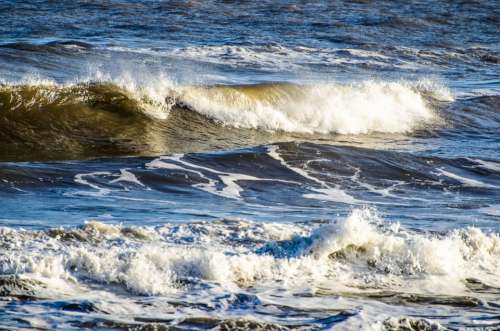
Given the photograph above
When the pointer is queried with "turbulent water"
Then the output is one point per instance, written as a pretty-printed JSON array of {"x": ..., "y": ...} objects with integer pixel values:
[{"x": 250, "y": 165}]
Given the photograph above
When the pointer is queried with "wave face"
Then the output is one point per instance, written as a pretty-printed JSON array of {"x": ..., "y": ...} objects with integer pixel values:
[
  {"x": 46, "y": 120},
  {"x": 84, "y": 119}
]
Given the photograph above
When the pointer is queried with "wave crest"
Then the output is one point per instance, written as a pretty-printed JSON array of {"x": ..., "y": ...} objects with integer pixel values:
[{"x": 362, "y": 108}]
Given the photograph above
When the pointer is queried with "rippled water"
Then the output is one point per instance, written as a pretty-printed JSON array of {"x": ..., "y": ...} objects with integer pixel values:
[{"x": 243, "y": 165}]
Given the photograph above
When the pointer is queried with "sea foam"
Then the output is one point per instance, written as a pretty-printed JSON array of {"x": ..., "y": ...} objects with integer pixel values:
[
  {"x": 359, "y": 252},
  {"x": 360, "y": 108}
]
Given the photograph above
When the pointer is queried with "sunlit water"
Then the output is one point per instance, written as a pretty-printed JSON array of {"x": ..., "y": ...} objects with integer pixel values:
[{"x": 249, "y": 165}]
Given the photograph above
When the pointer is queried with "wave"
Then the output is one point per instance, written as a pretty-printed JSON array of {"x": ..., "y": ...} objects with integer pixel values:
[
  {"x": 47, "y": 121},
  {"x": 359, "y": 254},
  {"x": 101, "y": 118},
  {"x": 322, "y": 108},
  {"x": 133, "y": 275}
]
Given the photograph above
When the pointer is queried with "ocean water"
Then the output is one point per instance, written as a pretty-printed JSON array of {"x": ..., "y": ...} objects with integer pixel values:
[{"x": 249, "y": 165}]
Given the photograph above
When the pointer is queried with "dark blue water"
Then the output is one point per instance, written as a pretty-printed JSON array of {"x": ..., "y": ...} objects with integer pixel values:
[{"x": 243, "y": 165}]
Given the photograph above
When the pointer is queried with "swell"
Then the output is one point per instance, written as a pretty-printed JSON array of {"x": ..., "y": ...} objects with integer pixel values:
[
  {"x": 57, "y": 46},
  {"x": 91, "y": 119}
]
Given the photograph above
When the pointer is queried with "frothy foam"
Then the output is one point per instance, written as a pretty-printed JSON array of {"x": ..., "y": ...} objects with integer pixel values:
[
  {"x": 361, "y": 108},
  {"x": 353, "y": 254},
  {"x": 278, "y": 57}
]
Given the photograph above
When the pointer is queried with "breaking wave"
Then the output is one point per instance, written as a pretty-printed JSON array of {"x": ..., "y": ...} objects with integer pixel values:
[
  {"x": 359, "y": 254},
  {"x": 321, "y": 108},
  {"x": 125, "y": 118}
]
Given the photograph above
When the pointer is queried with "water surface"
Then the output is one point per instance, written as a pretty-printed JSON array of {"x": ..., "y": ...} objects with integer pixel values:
[{"x": 266, "y": 165}]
